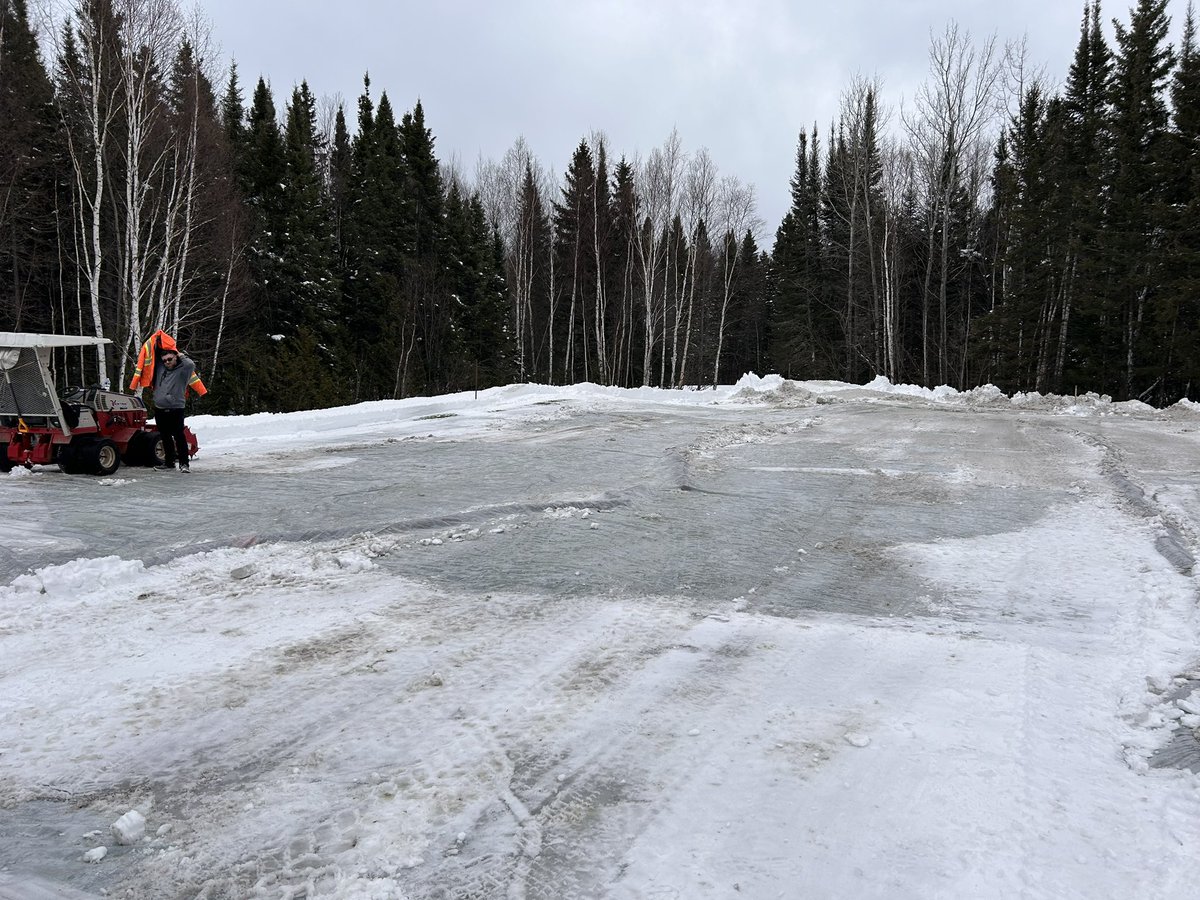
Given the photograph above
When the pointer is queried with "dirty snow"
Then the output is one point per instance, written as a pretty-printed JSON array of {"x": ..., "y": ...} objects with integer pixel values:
[{"x": 774, "y": 640}]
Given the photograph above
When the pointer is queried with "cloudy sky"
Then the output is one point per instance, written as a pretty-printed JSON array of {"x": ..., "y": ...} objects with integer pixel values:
[{"x": 738, "y": 77}]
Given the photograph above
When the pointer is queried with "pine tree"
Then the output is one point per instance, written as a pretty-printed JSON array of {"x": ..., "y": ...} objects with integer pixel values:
[
  {"x": 262, "y": 170},
  {"x": 1178, "y": 312},
  {"x": 30, "y": 163},
  {"x": 378, "y": 315},
  {"x": 341, "y": 173},
  {"x": 529, "y": 275},
  {"x": 749, "y": 329},
  {"x": 1131, "y": 242},
  {"x": 574, "y": 237},
  {"x": 426, "y": 255},
  {"x": 481, "y": 345},
  {"x": 1023, "y": 185},
  {"x": 233, "y": 113},
  {"x": 622, "y": 276},
  {"x": 805, "y": 338},
  {"x": 1086, "y": 164},
  {"x": 307, "y": 288}
]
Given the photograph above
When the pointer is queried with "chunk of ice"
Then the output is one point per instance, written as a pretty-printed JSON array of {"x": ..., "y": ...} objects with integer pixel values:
[{"x": 130, "y": 828}]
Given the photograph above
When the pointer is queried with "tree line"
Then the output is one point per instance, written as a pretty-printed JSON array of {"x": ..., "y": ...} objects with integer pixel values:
[
  {"x": 996, "y": 231},
  {"x": 1055, "y": 251}
]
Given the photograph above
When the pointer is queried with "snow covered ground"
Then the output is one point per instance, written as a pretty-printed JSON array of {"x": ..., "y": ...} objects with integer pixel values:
[{"x": 776, "y": 640}]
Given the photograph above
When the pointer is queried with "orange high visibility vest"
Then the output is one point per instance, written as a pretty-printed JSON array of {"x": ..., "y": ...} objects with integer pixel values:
[{"x": 143, "y": 373}]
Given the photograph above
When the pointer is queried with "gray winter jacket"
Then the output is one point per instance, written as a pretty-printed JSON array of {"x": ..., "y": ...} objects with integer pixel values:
[{"x": 170, "y": 385}]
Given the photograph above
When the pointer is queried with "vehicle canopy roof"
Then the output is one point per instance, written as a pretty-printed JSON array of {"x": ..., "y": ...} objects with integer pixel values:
[{"x": 17, "y": 339}]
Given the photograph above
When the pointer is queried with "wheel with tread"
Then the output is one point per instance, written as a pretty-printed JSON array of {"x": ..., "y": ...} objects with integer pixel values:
[
  {"x": 145, "y": 449},
  {"x": 156, "y": 451},
  {"x": 68, "y": 459},
  {"x": 102, "y": 457},
  {"x": 5, "y": 465}
]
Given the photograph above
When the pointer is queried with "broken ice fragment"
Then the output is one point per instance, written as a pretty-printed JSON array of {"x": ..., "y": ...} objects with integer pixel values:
[{"x": 130, "y": 828}]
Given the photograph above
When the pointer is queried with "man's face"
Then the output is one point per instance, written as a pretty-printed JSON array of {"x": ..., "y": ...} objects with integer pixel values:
[{"x": 169, "y": 360}]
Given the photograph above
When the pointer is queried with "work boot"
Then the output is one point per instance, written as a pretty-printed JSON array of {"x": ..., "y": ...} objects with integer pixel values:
[{"x": 184, "y": 467}]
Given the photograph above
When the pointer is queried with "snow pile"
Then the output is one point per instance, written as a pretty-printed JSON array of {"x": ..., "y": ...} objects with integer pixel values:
[
  {"x": 776, "y": 390},
  {"x": 773, "y": 390},
  {"x": 73, "y": 580},
  {"x": 884, "y": 385}
]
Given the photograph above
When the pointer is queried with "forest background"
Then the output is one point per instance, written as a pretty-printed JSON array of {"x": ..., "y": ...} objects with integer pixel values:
[{"x": 999, "y": 229}]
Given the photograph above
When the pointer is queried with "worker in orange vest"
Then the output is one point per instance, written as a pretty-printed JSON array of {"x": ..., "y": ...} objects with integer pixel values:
[
  {"x": 162, "y": 364},
  {"x": 143, "y": 374}
]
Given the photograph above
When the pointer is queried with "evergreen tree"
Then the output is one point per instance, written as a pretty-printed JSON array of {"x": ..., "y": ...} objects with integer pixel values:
[
  {"x": 341, "y": 173},
  {"x": 426, "y": 257},
  {"x": 1131, "y": 243},
  {"x": 805, "y": 335},
  {"x": 574, "y": 236},
  {"x": 273, "y": 320},
  {"x": 30, "y": 165},
  {"x": 307, "y": 288},
  {"x": 481, "y": 339},
  {"x": 749, "y": 328},
  {"x": 1086, "y": 164},
  {"x": 1025, "y": 324},
  {"x": 233, "y": 113},
  {"x": 1178, "y": 311},
  {"x": 530, "y": 272},
  {"x": 622, "y": 277},
  {"x": 379, "y": 319}
]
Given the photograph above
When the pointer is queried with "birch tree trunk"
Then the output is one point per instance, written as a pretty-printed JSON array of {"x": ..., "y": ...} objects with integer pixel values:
[
  {"x": 91, "y": 89},
  {"x": 737, "y": 206}
]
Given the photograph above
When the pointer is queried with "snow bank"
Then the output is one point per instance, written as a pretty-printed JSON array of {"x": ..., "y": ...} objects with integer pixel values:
[{"x": 71, "y": 580}]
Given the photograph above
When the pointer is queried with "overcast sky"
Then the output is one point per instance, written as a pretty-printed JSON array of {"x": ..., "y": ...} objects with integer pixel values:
[{"x": 739, "y": 77}]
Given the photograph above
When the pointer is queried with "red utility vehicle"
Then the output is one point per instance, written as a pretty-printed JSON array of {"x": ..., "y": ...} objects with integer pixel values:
[{"x": 86, "y": 430}]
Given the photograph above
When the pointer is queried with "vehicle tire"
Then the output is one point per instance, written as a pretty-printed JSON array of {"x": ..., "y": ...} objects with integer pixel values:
[
  {"x": 5, "y": 465},
  {"x": 145, "y": 449},
  {"x": 103, "y": 457},
  {"x": 156, "y": 451},
  {"x": 68, "y": 459},
  {"x": 134, "y": 450}
]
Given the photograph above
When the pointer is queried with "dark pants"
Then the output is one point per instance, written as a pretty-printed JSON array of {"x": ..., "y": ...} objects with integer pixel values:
[{"x": 170, "y": 426}]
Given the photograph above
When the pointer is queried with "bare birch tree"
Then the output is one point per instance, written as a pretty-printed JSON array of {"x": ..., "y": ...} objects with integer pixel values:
[
  {"x": 954, "y": 111},
  {"x": 659, "y": 181},
  {"x": 736, "y": 204},
  {"x": 698, "y": 204},
  {"x": 89, "y": 104}
]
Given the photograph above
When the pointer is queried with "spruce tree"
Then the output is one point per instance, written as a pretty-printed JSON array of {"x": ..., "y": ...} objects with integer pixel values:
[
  {"x": 1086, "y": 167},
  {"x": 481, "y": 341},
  {"x": 575, "y": 262},
  {"x": 307, "y": 288},
  {"x": 341, "y": 173},
  {"x": 426, "y": 256},
  {"x": 1131, "y": 241},
  {"x": 622, "y": 279},
  {"x": 262, "y": 168},
  {"x": 377, "y": 312},
  {"x": 30, "y": 164},
  {"x": 749, "y": 326},
  {"x": 805, "y": 335},
  {"x": 1177, "y": 318},
  {"x": 233, "y": 113},
  {"x": 529, "y": 275}
]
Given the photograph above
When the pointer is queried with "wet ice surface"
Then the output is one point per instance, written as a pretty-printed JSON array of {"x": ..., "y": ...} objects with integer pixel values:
[
  {"x": 614, "y": 649},
  {"x": 699, "y": 501}
]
